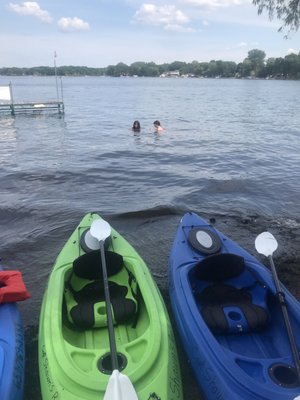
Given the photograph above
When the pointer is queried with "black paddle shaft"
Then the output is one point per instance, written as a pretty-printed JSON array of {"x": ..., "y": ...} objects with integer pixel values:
[
  {"x": 283, "y": 306},
  {"x": 110, "y": 324}
]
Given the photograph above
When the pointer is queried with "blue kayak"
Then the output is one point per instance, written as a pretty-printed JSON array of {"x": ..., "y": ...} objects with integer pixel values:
[
  {"x": 229, "y": 318},
  {"x": 12, "y": 357}
]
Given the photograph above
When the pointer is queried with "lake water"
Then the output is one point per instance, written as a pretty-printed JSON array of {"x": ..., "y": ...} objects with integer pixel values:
[{"x": 230, "y": 152}]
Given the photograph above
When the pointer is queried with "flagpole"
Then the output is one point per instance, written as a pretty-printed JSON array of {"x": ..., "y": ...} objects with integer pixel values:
[{"x": 55, "y": 71}]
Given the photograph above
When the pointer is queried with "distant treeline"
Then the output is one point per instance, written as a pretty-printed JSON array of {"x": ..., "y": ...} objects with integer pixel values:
[{"x": 254, "y": 66}]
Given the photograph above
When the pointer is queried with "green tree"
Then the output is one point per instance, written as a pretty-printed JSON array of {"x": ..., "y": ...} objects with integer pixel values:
[
  {"x": 177, "y": 65},
  {"x": 279, "y": 67},
  {"x": 151, "y": 69},
  {"x": 257, "y": 60},
  {"x": 137, "y": 68},
  {"x": 121, "y": 69},
  {"x": 252, "y": 66},
  {"x": 288, "y": 11},
  {"x": 198, "y": 69},
  {"x": 271, "y": 67},
  {"x": 244, "y": 69},
  {"x": 292, "y": 65},
  {"x": 212, "y": 69}
]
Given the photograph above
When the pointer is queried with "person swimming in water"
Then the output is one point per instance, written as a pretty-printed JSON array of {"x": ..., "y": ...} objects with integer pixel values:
[
  {"x": 157, "y": 126},
  {"x": 136, "y": 127}
]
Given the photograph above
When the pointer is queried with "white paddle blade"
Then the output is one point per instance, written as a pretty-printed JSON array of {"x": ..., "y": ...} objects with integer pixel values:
[
  {"x": 119, "y": 387},
  {"x": 266, "y": 244},
  {"x": 100, "y": 229}
]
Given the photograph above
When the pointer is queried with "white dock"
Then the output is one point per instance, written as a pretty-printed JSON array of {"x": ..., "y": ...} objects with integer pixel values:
[{"x": 8, "y": 105}]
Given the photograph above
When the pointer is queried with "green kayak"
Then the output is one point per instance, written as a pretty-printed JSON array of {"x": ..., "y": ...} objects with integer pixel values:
[{"x": 74, "y": 347}]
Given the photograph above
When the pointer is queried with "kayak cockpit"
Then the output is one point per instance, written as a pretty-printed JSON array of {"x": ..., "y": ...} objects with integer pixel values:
[
  {"x": 243, "y": 315},
  {"x": 230, "y": 298},
  {"x": 84, "y": 320},
  {"x": 84, "y": 291}
]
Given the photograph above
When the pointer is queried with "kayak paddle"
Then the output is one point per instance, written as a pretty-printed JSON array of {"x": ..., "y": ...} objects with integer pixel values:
[
  {"x": 266, "y": 244},
  {"x": 119, "y": 386}
]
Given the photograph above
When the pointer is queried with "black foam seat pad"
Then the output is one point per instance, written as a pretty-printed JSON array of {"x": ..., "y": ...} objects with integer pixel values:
[
  {"x": 226, "y": 309},
  {"x": 85, "y": 296},
  {"x": 83, "y": 314}
]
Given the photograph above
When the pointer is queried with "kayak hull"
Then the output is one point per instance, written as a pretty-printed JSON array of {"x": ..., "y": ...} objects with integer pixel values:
[
  {"x": 234, "y": 355},
  {"x": 75, "y": 363},
  {"x": 12, "y": 352}
]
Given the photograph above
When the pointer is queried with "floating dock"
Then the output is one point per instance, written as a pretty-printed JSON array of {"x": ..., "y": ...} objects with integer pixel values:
[
  {"x": 7, "y": 104},
  {"x": 26, "y": 107}
]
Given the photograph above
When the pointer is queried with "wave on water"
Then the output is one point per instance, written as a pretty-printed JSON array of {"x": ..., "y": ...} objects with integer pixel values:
[{"x": 158, "y": 211}]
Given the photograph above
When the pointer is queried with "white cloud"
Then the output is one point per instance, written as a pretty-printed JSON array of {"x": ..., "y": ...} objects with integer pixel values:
[
  {"x": 67, "y": 24},
  {"x": 292, "y": 51},
  {"x": 213, "y": 4},
  {"x": 178, "y": 28},
  {"x": 30, "y": 8},
  {"x": 242, "y": 44},
  {"x": 168, "y": 16}
]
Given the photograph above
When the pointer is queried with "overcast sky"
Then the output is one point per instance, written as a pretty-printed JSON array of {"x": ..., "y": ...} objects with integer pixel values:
[{"x": 97, "y": 33}]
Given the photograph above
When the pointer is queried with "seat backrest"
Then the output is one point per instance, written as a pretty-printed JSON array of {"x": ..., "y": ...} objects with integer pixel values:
[
  {"x": 89, "y": 265},
  {"x": 220, "y": 267}
]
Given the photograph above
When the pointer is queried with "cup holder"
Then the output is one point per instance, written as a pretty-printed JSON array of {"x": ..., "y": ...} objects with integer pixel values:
[
  {"x": 284, "y": 375},
  {"x": 105, "y": 366}
]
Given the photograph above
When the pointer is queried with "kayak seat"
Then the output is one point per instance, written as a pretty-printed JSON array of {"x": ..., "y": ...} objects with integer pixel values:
[
  {"x": 84, "y": 291},
  {"x": 231, "y": 299}
]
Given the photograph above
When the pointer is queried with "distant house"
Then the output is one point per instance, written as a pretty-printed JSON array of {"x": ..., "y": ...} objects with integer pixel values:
[{"x": 171, "y": 74}]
